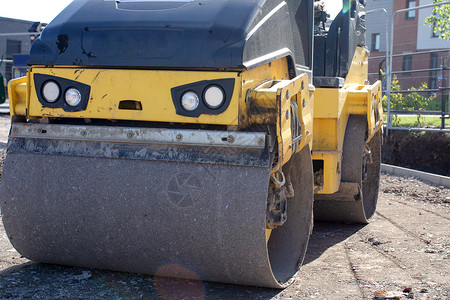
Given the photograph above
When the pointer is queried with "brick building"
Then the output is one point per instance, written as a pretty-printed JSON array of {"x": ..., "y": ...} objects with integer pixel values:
[
  {"x": 411, "y": 37},
  {"x": 427, "y": 40}
]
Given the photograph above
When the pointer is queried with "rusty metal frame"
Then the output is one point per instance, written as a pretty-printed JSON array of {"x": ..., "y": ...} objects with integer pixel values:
[{"x": 134, "y": 135}]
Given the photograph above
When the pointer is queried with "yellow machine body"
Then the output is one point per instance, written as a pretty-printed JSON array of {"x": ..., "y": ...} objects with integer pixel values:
[
  {"x": 332, "y": 108},
  {"x": 323, "y": 112},
  {"x": 110, "y": 87}
]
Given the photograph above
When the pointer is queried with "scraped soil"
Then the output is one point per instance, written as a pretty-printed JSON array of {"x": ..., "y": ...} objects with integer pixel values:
[{"x": 423, "y": 151}]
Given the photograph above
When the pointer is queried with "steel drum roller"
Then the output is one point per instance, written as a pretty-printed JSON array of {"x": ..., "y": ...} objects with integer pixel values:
[{"x": 138, "y": 215}]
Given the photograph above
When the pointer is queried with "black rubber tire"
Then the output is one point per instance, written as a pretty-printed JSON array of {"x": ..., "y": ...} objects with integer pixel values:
[{"x": 326, "y": 208}]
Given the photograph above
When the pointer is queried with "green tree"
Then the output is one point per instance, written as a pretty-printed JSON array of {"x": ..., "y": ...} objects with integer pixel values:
[
  {"x": 417, "y": 101},
  {"x": 414, "y": 100},
  {"x": 440, "y": 20}
]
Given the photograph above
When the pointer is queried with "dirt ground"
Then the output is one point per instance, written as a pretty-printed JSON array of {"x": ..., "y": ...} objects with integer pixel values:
[
  {"x": 406, "y": 247},
  {"x": 426, "y": 152}
]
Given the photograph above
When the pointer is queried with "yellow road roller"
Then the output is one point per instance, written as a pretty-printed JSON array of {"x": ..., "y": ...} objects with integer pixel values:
[{"x": 191, "y": 138}]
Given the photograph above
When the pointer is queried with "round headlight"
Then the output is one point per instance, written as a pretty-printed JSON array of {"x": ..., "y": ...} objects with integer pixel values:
[
  {"x": 214, "y": 96},
  {"x": 50, "y": 91},
  {"x": 190, "y": 101},
  {"x": 73, "y": 97}
]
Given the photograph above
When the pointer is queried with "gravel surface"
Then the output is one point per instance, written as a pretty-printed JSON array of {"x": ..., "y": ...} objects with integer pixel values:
[{"x": 403, "y": 253}]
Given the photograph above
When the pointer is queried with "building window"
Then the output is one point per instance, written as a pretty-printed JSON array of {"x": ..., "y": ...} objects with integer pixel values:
[
  {"x": 434, "y": 73},
  {"x": 407, "y": 63},
  {"x": 412, "y": 13},
  {"x": 13, "y": 47},
  {"x": 375, "y": 42},
  {"x": 8, "y": 71}
]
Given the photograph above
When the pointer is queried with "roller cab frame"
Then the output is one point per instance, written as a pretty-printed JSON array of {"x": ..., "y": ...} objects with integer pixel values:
[
  {"x": 347, "y": 129},
  {"x": 110, "y": 166}
]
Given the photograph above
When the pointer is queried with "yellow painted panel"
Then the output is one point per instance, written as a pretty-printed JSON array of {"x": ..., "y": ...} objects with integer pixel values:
[
  {"x": 365, "y": 100},
  {"x": 270, "y": 103},
  {"x": 332, "y": 171},
  {"x": 277, "y": 70},
  {"x": 268, "y": 233},
  {"x": 284, "y": 123},
  {"x": 358, "y": 72},
  {"x": 374, "y": 99},
  {"x": 305, "y": 102},
  {"x": 17, "y": 92},
  {"x": 150, "y": 87},
  {"x": 325, "y": 135},
  {"x": 326, "y": 103}
]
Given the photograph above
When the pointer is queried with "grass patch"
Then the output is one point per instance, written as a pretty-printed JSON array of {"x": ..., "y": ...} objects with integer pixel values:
[{"x": 411, "y": 121}]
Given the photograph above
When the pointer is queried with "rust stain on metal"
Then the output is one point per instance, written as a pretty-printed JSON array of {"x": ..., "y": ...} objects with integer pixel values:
[
  {"x": 96, "y": 76},
  {"x": 81, "y": 72}
]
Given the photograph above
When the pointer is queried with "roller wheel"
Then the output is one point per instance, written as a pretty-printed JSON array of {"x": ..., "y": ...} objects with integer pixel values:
[
  {"x": 288, "y": 243},
  {"x": 156, "y": 217},
  {"x": 358, "y": 166}
]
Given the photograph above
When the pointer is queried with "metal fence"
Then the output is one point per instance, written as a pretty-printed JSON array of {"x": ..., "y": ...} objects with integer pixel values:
[{"x": 415, "y": 83}]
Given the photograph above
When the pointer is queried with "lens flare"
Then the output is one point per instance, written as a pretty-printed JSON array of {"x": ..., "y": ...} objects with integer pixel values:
[
  {"x": 347, "y": 6},
  {"x": 169, "y": 288}
]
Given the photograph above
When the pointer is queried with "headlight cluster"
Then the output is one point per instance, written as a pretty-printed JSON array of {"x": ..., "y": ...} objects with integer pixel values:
[
  {"x": 214, "y": 98},
  {"x": 205, "y": 97},
  {"x": 51, "y": 92},
  {"x": 62, "y": 93}
]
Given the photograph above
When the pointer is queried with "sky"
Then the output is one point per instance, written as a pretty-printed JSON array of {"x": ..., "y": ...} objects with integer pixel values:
[
  {"x": 32, "y": 10},
  {"x": 333, "y": 7},
  {"x": 46, "y": 10}
]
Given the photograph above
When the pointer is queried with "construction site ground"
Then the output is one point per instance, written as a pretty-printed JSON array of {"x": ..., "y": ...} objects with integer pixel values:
[
  {"x": 421, "y": 151},
  {"x": 403, "y": 253}
]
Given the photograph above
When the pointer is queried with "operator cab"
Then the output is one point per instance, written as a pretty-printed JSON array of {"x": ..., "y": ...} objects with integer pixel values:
[{"x": 335, "y": 46}]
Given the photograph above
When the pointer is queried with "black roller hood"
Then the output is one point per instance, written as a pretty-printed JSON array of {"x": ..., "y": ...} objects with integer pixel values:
[{"x": 229, "y": 34}]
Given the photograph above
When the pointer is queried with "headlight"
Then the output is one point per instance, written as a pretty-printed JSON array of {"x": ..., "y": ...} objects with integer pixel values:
[
  {"x": 58, "y": 92},
  {"x": 190, "y": 101},
  {"x": 51, "y": 91},
  {"x": 206, "y": 97},
  {"x": 73, "y": 97},
  {"x": 214, "y": 96}
]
